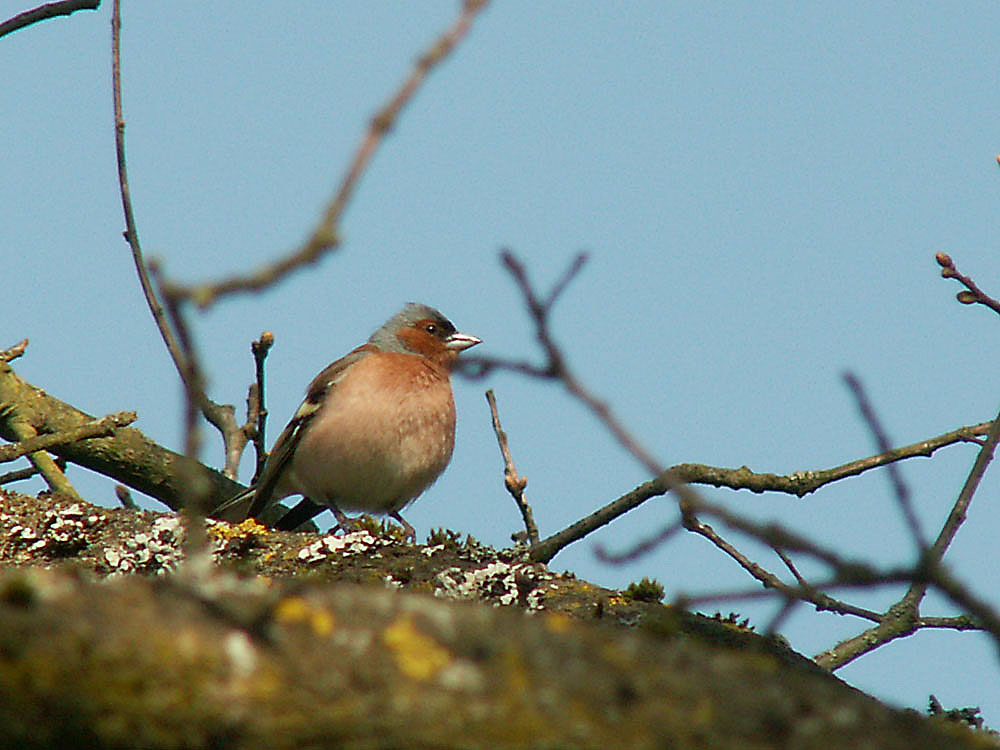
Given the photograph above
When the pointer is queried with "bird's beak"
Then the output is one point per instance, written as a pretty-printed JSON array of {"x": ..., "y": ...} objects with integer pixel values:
[{"x": 459, "y": 342}]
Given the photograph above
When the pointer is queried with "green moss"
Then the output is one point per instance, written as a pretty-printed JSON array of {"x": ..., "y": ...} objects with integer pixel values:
[
  {"x": 450, "y": 539},
  {"x": 646, "y": 590}
]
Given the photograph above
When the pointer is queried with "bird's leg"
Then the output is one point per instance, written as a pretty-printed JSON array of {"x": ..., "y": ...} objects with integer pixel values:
[
  {"x": 345, "y": 522},
  {"x": 411, "y": 533}
]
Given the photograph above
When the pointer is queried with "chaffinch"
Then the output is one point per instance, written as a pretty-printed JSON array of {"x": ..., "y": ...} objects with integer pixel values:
[{"x": 376, "y": 428}]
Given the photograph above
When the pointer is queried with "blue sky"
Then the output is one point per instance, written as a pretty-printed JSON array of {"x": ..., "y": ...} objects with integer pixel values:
[{"x": 761, "y": 187}]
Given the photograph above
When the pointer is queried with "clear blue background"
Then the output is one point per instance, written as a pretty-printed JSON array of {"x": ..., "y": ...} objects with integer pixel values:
[{"x": 762, "y": 188}]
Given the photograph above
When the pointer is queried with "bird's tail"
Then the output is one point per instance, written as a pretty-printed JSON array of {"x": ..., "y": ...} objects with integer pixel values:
[{"x": 244, "y": 496}]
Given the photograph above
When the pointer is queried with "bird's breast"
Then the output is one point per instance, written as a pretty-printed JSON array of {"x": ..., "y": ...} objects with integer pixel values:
[{"x": 382, "y": 436}]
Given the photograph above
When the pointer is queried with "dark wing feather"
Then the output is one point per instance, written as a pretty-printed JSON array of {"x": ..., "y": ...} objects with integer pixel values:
[{"x": 288, "y": 440}]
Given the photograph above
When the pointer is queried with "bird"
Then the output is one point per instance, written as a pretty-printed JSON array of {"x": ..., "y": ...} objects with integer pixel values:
[{"x": 376, "y": 428}]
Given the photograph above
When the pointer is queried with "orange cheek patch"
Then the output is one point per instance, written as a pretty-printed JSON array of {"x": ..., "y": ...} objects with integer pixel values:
[{"x": 420, "y": 342}]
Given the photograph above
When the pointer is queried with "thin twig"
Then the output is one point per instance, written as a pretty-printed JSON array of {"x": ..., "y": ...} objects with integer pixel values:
[
  {"x": 131, "y": 233},
  {"x": 128, "y": 456},
  {"x": 21, "y": 474},
  {"x": 802, "y": 483},
  {"x": 778, "y": 538},
  {"x": 891, "y": 577},
  {"x": 902, "y": 618},
  {"x": 986, "y": 616},
  {"x": 191, "y": 377},
  {"x": 960, "y": 622},
  {"x": 514, "y": 482},
  {"x": 799, "y": 483},
  {"x": 18, "y": 476},
  {"x": 791, "y": 567},
  {"x": 222, "y": 416},
  {"x": 124, "y": 495},
  {"x": 897, "y": 622},
  {"x": 45, "y": 12},
  {"x": 974, "y": 295},
  {"x": 957, "y": 516},
  {"x": 97, "y": 428},
  {"x": 782, "y": 614},
  {"x": 638, "y": 549},
  {"x": 845, "y": 572},
  {"x": 257, "y": 416},
  {"x": 196, "y": 507},
  {"x": 326, "y": 236},
  {"x": 52, "y": 472},
  {"x": 900, "y": 489},
  {"x": 9, "y": 355},
  {"x": 555, "y": 367},
  {"x": 766, "y": 577}
]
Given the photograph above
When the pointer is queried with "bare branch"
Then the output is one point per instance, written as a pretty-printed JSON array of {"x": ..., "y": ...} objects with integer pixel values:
[
  {"x": 956, "y": 517},
  {"x": 890, "y": 577},
  {"x": 781, "y": 616},
  {"x": 556, "y": 368},
  {"x": 9, "y": 355},
  {"x": 131, "y": 233},
  {"x": 221, "y": 416},
  {"x": 791, "y": 566},
  {"x": 16, "y": 425},
  {"x": 986, "y": 616},
  {"x": 974, "y": 295},
  {"x": 326, "y": 236},
  {"x": 798, "y": 483},
  {"x": 194, "y": 381},
  {"x": 900, "y": 489},
  {"x": 639, "y": 549},
  {"x": 45, "y": 12},
  {"x": 669, "y": 480},
  {"x": 124, "y": 495},
  {"x": 961, "y": 622},
  {"x": 802, "y": 483},
  {"x": 766, "y": 577},
  {"x": 846, "y": 572},
  {"x": 256, "y": 426},
  {"x": 903, "y": 618},
  {"x": 18, "y": 476},
  {"x": 899, "y": 621},
  {"x": 196, "y": 502},
  {"x": 98, "y": 428},
  {"x": 514, "y": 482}
]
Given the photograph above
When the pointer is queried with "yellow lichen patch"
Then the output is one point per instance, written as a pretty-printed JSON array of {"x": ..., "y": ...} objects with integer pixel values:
[
  {"x": 296, "y": 610},
  {"x": 417, "y": 655},
  {"x": 247, "y": 528},
  {"x": 617, "y": 600}
]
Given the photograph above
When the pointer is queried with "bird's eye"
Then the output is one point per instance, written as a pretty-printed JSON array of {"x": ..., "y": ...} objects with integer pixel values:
[{"x": 431, "y": 328}]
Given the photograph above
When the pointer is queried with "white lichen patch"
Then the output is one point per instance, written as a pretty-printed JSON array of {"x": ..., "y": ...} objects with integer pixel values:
[
  {"x": 61, "y": 531},
  {"x": 157, "y": 552},
  {"x": 500, "y": 583},
  {"x": 356, "y": 543}
]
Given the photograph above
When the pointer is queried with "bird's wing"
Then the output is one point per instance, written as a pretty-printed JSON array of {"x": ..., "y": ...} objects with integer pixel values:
[
  {"x": 234, "y": 500},
  {"x": 284, "y": 447}
]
